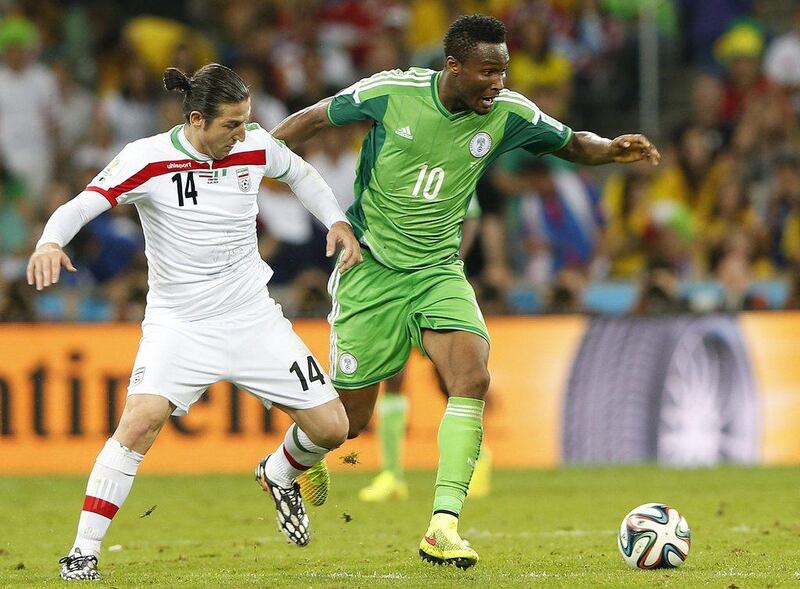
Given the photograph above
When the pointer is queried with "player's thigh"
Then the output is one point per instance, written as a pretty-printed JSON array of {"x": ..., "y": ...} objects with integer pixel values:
[
  {"x": 178, "y": 360},
  {"x": 370, "y": 340},
  {"x": 447, "y": 303},
  {"x": 461, "y": 359},
  {"x": 450, "y": 328},
  {"x": 269, "y": 360}
]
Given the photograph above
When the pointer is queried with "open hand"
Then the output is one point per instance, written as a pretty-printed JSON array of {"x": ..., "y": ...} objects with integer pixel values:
[
  {"x": 45, "y": 264},
  {"x": 342, "y": 234},
  {"x": 633, "y": 148}
]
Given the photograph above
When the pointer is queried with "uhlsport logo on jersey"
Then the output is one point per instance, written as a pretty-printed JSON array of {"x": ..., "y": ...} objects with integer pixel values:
[
  {"x": 243, "y": 176},
  {"x": 480, "y": 145},
  {"x": 348, "y": 363}
]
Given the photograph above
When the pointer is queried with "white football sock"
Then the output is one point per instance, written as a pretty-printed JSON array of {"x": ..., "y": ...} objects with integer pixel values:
[{"x": 108, "y": 487}]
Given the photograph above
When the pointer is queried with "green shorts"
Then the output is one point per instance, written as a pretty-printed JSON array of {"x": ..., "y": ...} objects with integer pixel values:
[{"x": 378, "y": 314}]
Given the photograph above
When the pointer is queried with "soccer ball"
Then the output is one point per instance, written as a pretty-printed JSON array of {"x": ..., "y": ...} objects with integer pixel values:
[{"x": 654, "y": 536}]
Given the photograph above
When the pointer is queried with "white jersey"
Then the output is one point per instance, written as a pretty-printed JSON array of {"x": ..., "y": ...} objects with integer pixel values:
[{"x": 198, "y": 217}]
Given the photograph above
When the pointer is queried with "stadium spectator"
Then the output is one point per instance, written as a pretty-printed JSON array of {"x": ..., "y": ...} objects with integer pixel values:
[
  {"x": 739, "y": 50},
  {"x": 734, "y": 274},
  {"x": 703, "y": 23},
  {"x": 782, "y": 61},
  {"x": 537, "y": 66},
  {"x": 561, "y": 222},
  {"x": 659, "y": 290},
  {"x": 627, "y": 210},
  {"x": 731, "y": 215},
  {"x": 130, "y": 112},
  {"x": 29, "y": 107},
  {"x": 783, "y": 212}
]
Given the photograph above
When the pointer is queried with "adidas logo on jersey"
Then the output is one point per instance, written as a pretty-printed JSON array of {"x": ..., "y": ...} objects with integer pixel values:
[{"x": 404, "y": 132}]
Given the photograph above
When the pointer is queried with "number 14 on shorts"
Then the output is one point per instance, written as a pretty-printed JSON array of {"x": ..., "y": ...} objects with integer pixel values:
[{"x": 313, "y": 372}]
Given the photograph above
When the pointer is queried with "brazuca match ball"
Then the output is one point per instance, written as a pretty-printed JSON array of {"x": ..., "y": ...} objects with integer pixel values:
[{"x": 654, "y": 536}]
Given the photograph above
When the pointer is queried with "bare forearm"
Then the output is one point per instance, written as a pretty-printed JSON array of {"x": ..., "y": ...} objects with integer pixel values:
[
  {"x": 587, "y": 148},
  {"x": 303, "y": 125}
]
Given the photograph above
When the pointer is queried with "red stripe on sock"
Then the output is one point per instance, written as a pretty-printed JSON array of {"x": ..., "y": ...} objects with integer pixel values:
[
  {"x": 294, "y": 462},
  {"x": 100, "y": 506}
]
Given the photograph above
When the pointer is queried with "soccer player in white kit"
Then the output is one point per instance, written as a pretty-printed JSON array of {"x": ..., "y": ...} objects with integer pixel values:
[{"x": 209, "y": 315}]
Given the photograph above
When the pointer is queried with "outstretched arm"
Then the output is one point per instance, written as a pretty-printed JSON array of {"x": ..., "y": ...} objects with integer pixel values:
[
  {"x": 318, "y": 198},
  {"x": 589, "y": 148},
  {"x": 45, "y": 264},
  {"x": 304, "y": 124}
]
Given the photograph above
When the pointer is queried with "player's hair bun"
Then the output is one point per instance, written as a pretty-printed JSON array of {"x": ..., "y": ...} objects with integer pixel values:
[{"x": 175, "y": 79}]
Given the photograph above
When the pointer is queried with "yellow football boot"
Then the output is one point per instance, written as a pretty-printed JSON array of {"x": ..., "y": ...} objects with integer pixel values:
[
  {"x": 315, "y": 483},
  {"x": 442, "y": 544},
  {"x": 384, "y": 487}
]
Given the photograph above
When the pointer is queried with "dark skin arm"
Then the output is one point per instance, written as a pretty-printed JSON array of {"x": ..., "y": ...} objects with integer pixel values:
[
  {"x": 304, "y": 124},
  {"x": 588, "y": 148}
]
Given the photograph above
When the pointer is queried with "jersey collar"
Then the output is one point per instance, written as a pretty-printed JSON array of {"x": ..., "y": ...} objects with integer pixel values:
[
  {"x": 439, "y": 106},
  {"x": 182, "y": 144}
]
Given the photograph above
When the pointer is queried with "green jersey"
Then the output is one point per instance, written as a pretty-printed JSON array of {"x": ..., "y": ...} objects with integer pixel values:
[{"x": 419, "y": 163}]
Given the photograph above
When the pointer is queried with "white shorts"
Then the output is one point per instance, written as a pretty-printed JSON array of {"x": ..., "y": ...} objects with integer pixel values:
[{"x": 254, "y": 348}]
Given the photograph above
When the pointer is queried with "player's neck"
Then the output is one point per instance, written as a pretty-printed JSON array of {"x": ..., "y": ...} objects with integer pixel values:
[
  {"x": 191, "y": 136},
  {"x": 447, "y": 94}
]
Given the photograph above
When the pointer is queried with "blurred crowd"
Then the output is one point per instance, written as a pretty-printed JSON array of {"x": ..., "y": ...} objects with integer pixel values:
[{"x": 80, "y": 79}]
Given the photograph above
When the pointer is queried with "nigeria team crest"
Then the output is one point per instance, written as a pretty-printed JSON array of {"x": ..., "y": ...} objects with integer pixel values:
[
  {"x": 480, "y": 145},
  {"x": 348, "y": 363},
  {"x": 243, "y": 176}
]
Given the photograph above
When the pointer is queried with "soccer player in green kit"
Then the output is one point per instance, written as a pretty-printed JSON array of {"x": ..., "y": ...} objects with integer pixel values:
[{"x": 433, "y": 134}]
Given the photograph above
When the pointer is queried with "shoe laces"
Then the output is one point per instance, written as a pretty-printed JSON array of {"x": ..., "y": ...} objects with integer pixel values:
[{"x": 78, "y": 561}]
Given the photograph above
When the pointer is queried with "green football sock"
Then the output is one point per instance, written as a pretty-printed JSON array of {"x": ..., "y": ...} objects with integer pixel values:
[
  {"x": 460, "y": 435},
  {"x": 392, "y": 413}
]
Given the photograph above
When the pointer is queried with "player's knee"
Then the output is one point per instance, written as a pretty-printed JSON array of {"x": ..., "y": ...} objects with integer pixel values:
[
  {"x": 140, "y": 421},
  {"x": 358, "y": 423},
  {"x": 473, "y": 383},
  {"x": 328, "y": 430},
  {"x": 336, "y": 433},
  {"x": 139, "y": 426}
]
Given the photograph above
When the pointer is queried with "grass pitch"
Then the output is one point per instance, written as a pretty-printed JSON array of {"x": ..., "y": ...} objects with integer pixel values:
[{"x": 538, "y": 529}]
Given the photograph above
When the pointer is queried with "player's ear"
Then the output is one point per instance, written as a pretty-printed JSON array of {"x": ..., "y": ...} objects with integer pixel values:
[
  {"x": 196, "y": 119},
  {"x": 452, "y": 65}
]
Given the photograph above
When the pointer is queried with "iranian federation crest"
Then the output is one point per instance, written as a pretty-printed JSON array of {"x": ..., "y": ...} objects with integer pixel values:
[
  {"x": 480, "y": 144},
  {"x": 243, "y": 177},
  {"x": 137, "y": 376}
]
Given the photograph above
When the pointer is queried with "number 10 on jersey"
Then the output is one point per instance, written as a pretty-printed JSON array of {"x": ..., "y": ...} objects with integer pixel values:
[{"x": 433, "y": 184}]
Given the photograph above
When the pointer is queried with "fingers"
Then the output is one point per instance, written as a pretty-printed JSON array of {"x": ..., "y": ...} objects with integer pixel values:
[
  {"x": 640, "y": 147},
  {"x": 45, "y": 270},
  {"x": 55, "y": 269},
  {"x": 351, "y": 255},
  {"x": 46, "y": 273},
  {"x": 38, "y": 276},
  {"x": 330, "y": 247}
]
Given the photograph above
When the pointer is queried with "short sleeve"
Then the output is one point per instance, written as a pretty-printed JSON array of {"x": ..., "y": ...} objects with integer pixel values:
[
  {"x": 366, "y": 99},
  {"x": 279, "y": 158},
  {"x": 542, "y": 136},
  {"x": 124, "y": 179},
  {"x": 530, "y": 128}
]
